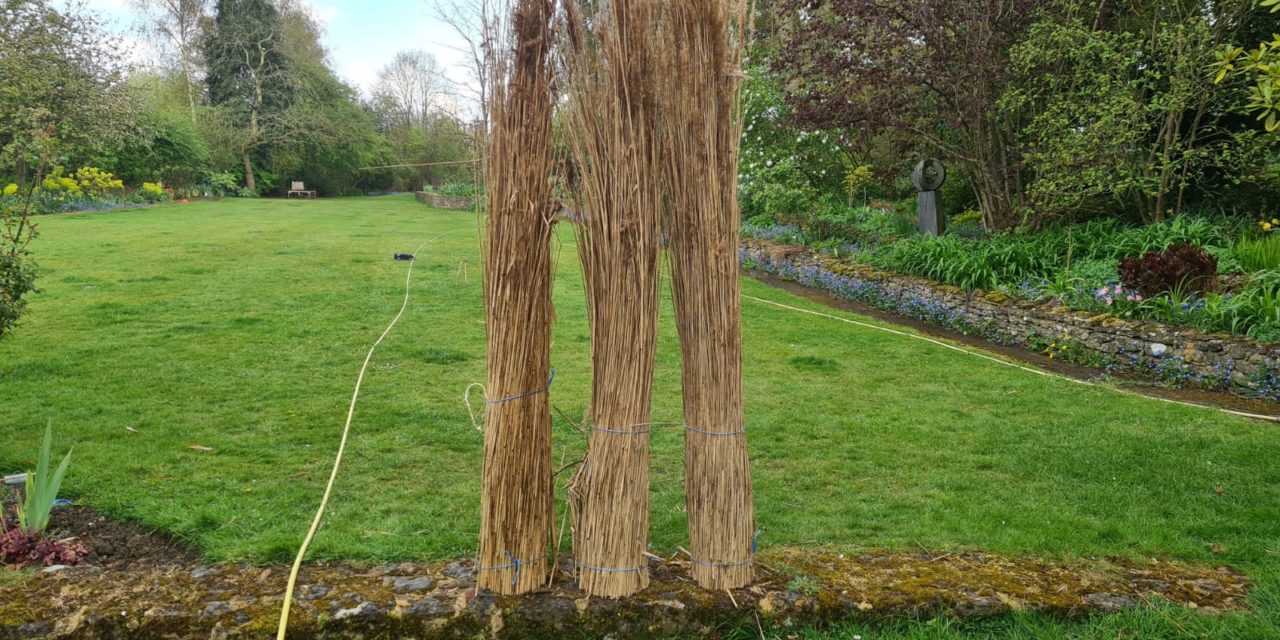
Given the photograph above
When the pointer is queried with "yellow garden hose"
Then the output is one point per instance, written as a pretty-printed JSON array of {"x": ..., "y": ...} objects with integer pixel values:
[{"x": 342, "y": 446}]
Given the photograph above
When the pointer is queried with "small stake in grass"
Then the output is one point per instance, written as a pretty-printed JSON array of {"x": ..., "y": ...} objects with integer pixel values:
[{"x": 517, "y": 499}]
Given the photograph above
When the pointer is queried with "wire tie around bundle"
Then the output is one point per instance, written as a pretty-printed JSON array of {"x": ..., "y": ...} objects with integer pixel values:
[
  {"x": 582, "y": 565},
  {"x": 755, "y": 546},
  {"x": 516, "y": 564},
  {"x": 526, "y": 394},
  {"x": 621, "y": 432},
  {"x": 694, "y": 429}
]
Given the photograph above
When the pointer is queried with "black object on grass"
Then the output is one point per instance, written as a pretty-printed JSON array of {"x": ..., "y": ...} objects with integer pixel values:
[{"x": 404, "y": 256}]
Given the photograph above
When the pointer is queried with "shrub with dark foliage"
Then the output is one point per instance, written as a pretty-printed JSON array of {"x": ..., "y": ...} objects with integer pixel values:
[
  {"x": 19, "y": 549},
  {"x": 1181, "y": 267}
]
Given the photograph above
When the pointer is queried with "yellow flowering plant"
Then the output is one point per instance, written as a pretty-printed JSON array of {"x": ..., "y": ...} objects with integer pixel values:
[
  {"x": 96, "y": 182},
  {"x": 1268, "y": 226},
  {"x": 857, "y": 180},
  {"x": 154, "y": 192}
]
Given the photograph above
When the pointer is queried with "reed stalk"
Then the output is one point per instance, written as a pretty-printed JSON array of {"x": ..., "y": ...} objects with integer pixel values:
[
  {"x": 701, "y": 128},
  {"x": 517, "y": 499},
  {"x": 611, "y": 121}
]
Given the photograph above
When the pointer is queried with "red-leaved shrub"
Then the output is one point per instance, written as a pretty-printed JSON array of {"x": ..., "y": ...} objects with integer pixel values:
[
  {"x": 20, "y": 549},
  {"x": 1181, "y": 267}
]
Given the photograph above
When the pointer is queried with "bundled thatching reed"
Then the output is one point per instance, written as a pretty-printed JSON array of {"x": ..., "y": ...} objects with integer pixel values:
[
  {"x": 701, "y": 125},
  {"x": 610, "y": 121},
  {"x": 517, "y": 500}
]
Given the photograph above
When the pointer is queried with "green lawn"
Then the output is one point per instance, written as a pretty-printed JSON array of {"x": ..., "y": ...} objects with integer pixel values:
[{"x": 240, "y": 325}]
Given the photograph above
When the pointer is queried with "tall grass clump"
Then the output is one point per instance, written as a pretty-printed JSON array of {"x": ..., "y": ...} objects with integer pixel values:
[{"x": 1259, "y": 254}]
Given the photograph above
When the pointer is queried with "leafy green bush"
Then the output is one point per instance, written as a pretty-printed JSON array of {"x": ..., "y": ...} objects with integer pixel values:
[
  {"x": 1228, "y": 261},
  {"x": 968, "y": 216},
  {"x": 17, "y": 279},
  {"x": 1095, "y": 274},
  {"x": 153, "y": 192},
  {"x": 1267, "y": 333},
  {"x": 781, "y": 191},
  {"x": 167, "y": 148},
  {"x": 224, "y": 183}
]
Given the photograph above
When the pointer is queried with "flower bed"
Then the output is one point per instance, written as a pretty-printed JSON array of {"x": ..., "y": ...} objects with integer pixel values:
[
  {"x": 86, "y": 189},
  {"x": 1171, "y": 354}
]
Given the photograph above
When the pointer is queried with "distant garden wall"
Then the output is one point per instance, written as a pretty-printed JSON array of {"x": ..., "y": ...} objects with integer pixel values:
[
  {"x": 1174, "y": 355},
  {"x": 436, "y": 201}
]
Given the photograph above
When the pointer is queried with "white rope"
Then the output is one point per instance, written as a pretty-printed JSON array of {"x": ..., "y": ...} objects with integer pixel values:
[
  {"x": 1015, "y": 365},
  {"x": 342, "y": 447},
  {"x": 466, "y": 399}
]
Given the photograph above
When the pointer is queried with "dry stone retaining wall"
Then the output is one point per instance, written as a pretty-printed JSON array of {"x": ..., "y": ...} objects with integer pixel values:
[
  {"x": 437, "y": 201},
  {"x": 1173, "y": 354}
]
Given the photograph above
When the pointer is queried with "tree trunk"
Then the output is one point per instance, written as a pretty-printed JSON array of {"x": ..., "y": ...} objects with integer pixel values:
[
  {"x": 250, "y": 182},
  {"x": 191, "y": 90},
  {"x": 993, "y": 196}
]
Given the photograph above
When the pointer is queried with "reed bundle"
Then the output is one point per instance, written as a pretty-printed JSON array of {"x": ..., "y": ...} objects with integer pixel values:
[
  {"x": 517, "y": 499},
  {"x": 701, "y": 128},
  {"x": 610, "y": 122}
]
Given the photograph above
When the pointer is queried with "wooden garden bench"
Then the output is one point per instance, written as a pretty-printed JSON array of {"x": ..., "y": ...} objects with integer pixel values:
[{"x": 300, "y": 190}]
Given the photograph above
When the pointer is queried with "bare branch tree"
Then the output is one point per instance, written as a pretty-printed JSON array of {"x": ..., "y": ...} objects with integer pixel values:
[
  {"x": 475, "y": 22},
  {"x": 178, "y": 26},
  {"x": 410, "y": 88}
]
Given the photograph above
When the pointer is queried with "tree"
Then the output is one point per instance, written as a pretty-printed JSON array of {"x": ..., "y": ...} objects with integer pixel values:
[
  {"x": 409, "y": 88},
  {"x": 474, "y": 21},
  {"x": 167, "y": 149},
  {"x": 929, "y": 69},
  {"x": 62, "y": 100},
  {"x": 178, "y": 25},
  {"x": 334, "y": 138},
  {"x": 410, "y": 101},
  {"x": 248, "y": 76},
  {"x": 62, "y": 97},
  {"x": 1118, "y": 109},
  {"x": 1260, "y": 66},
  {"x": 17, "y": 268},
  {"x": 341, "y": 138}
]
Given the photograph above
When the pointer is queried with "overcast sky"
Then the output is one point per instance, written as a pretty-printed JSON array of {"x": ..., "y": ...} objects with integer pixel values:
[{"x": 361, "y": 35}]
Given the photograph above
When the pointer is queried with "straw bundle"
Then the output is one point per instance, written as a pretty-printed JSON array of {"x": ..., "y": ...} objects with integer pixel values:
[
  {"x": 517, "y": 499},
  {"x": 702, "y": 48},
  {"x": 610, "y": 121}
]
